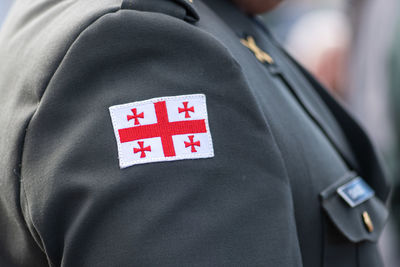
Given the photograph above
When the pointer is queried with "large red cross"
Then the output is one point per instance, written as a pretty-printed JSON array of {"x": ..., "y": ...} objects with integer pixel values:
[{"x": 163, "y": 128}]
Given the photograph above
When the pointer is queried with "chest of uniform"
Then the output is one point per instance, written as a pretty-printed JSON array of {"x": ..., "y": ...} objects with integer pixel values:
[
  {"x": 304, "y": 146},
  {"x": 312, "y": 160}
]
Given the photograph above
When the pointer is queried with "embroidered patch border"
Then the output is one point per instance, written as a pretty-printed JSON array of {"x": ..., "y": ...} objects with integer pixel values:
[{"x": 162, "y": 129}]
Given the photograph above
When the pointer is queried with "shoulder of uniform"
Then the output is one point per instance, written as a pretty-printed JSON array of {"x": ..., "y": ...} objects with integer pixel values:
[{"x": 182, "y": 9}]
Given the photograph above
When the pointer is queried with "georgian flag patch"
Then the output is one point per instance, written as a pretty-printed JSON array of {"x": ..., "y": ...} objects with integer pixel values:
[{"x": 162, "y": 129}]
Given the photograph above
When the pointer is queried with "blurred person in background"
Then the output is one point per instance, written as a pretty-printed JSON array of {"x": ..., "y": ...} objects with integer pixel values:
[
  {"x": 394, "y": 94},
  {"x": 4, "y": 7},
  {"x": 367, "y": 93},
  {"x": 320, "y": 40},
  {"x": 317, "y": 33},
  {"x": 346, "y": 44},
  {"x": 372, "y": 94}
]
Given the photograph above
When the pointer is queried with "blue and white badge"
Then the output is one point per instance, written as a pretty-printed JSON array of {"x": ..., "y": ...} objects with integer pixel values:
[{"x": 356, "y": 192}]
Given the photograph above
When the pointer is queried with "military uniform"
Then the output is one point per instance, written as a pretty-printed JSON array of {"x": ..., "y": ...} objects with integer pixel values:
[{"x": 267, "y": 193}]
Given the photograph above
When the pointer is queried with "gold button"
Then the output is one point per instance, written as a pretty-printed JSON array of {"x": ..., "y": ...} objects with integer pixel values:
[
  {"x": 368, "y": 222},
  {"x": 191, "y": 1}
]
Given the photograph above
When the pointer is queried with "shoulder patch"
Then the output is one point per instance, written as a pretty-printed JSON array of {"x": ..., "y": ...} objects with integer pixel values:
[{"x": 162, "y": 129}]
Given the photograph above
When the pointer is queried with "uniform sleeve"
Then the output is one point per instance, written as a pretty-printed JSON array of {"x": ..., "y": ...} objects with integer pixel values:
[{"x": 232, "y": 209}]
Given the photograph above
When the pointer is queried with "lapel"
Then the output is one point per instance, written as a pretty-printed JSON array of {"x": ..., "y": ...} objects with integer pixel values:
[
  {"x": 370, "y": 165},
  {"x": 285, "y": 69},
  {"x": 343, "y": 132},
  {"x": 318, "y": 112},
  {"x": 288, "y": 70},
  {"x": 350, "y": 140}
]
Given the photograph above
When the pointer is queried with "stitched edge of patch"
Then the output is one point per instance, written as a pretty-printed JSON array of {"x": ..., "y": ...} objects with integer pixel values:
[{"x": 124, "y": 164}]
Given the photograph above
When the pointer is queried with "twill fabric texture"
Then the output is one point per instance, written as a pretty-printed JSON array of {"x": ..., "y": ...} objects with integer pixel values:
[{"x": 265, "y": 196}]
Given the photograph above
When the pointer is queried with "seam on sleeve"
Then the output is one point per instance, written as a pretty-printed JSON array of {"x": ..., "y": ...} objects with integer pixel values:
[{"x": 35, "y": 234}]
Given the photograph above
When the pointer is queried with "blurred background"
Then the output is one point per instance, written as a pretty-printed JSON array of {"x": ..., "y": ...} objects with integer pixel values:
[
  {"x": 4, "y": 6},
  {"x": 352, "y": 47}
]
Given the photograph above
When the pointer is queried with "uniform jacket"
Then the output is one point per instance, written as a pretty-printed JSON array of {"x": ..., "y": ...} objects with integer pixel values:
[{"x": 282, "y": 145}]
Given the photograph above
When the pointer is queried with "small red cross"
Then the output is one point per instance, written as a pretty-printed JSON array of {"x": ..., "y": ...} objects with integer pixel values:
[
  {"x": 163, "y": 129},
  {"x": 186, "y": 109},
  {"x": 192, "y": 143},
  {"x": 142, "y": 149},
  {"x": 135, "y": 116}
]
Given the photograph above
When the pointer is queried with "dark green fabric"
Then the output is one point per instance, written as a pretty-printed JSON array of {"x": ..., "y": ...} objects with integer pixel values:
[{"x": 278, "y": 143}]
